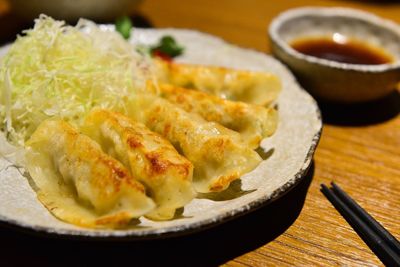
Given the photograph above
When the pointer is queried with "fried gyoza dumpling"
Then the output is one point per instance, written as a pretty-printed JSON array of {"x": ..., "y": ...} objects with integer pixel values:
[
  {"x": 218, "y": 154},
  {"x": 253, "y": 122},
  {"x": 259, "y": 88},
  {"x": 80, "y": 184},
  {"x": 149, "y": 157}
]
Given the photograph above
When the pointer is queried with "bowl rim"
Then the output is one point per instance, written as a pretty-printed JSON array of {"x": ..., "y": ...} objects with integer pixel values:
[{"x": 277, "y": 22}]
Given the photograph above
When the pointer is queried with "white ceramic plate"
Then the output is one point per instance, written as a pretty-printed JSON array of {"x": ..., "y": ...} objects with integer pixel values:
[{"x": 290, "y": 153}]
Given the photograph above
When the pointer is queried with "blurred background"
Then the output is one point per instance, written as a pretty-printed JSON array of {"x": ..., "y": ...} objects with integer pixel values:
[
  {"x": 16, "y": 15},
  {"x": 243, "y": 26}
]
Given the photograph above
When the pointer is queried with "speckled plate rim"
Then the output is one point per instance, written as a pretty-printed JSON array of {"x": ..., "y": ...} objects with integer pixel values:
[{"x": 179, "y": 230}]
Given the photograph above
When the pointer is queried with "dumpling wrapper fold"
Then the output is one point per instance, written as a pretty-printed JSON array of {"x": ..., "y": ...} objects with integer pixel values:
[
  {"x": 80, "y": 184},
  {"x": 253, "y": 122},
  {"x": 260, "y": 88},
  {"x": 149, "y": 157},
  {"x": 218, "y": 154}
]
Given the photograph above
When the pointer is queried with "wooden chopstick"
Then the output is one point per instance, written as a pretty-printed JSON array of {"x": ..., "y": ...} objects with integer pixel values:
[{"x": 378, "y": 242}]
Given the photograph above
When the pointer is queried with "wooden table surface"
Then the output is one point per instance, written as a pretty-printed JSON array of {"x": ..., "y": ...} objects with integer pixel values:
[{"x": 359, "y": 150}]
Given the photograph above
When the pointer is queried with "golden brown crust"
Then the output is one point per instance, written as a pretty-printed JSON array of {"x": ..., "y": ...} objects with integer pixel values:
[
  {"x": 215, "y": 151},
  {"x": 221, "y": 183},
  {"x": 78, "y": 182},
  {"x": 253, "y": 87},
  {"x": 133, "y": 142},
  {"x": 150, "y": 157},
  {"x": 119, "y": 220},
  {"x": 253, "y": 122}
]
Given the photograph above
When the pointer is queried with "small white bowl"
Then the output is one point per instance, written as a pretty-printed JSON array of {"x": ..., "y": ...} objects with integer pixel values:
[{"x": 331, "y": 80}]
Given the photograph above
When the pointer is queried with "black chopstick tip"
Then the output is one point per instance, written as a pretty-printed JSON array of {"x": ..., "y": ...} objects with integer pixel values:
[
  {"x": 334, "y": 185},
  {"x": 324, "y": 189},
  {"x": 323, "y": 186}
]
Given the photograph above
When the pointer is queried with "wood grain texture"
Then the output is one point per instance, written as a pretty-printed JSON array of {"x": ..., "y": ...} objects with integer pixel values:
[{"x": 359, "y": 149}]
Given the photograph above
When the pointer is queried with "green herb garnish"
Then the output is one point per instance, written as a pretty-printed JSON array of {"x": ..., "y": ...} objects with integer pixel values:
[
  {"x": 123, "y": 25},
  {"x": 167, "y": 46}
]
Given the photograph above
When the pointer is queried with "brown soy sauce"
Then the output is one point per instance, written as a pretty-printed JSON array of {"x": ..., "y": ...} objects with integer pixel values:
[{"x": 346, "y": 51}]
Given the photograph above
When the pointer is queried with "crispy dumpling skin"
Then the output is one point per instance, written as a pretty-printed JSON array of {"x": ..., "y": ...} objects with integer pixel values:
[
  {"x": 253, "y": 122},
  {"x": 218, "y": 154},
  {"x": 260, "y": 88},
  {"x": 80, "y": 184},
  {"x": 148, "y": 156}
]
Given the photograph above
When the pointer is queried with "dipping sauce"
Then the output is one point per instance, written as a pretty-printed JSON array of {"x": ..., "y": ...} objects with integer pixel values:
[{"x": 341, "y": 49}]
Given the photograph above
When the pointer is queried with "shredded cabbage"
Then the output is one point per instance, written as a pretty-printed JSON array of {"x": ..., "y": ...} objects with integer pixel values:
[{"x": 64, "y": 71}]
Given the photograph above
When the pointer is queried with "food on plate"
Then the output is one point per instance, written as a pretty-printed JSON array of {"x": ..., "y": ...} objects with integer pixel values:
[
  {"x": 167, "y": 48},
  {"x": 55, "y": 70},
  {"x": 148, "y": 156},
  {"x": 148, "y": 143},
  {"x": 124, "y": 25},
  {"x": 253, "y": 122},
  {"x": 78, "y": 182},
  {"x": 218, "y": 154},
  {"x": 259, "y": 88}
]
